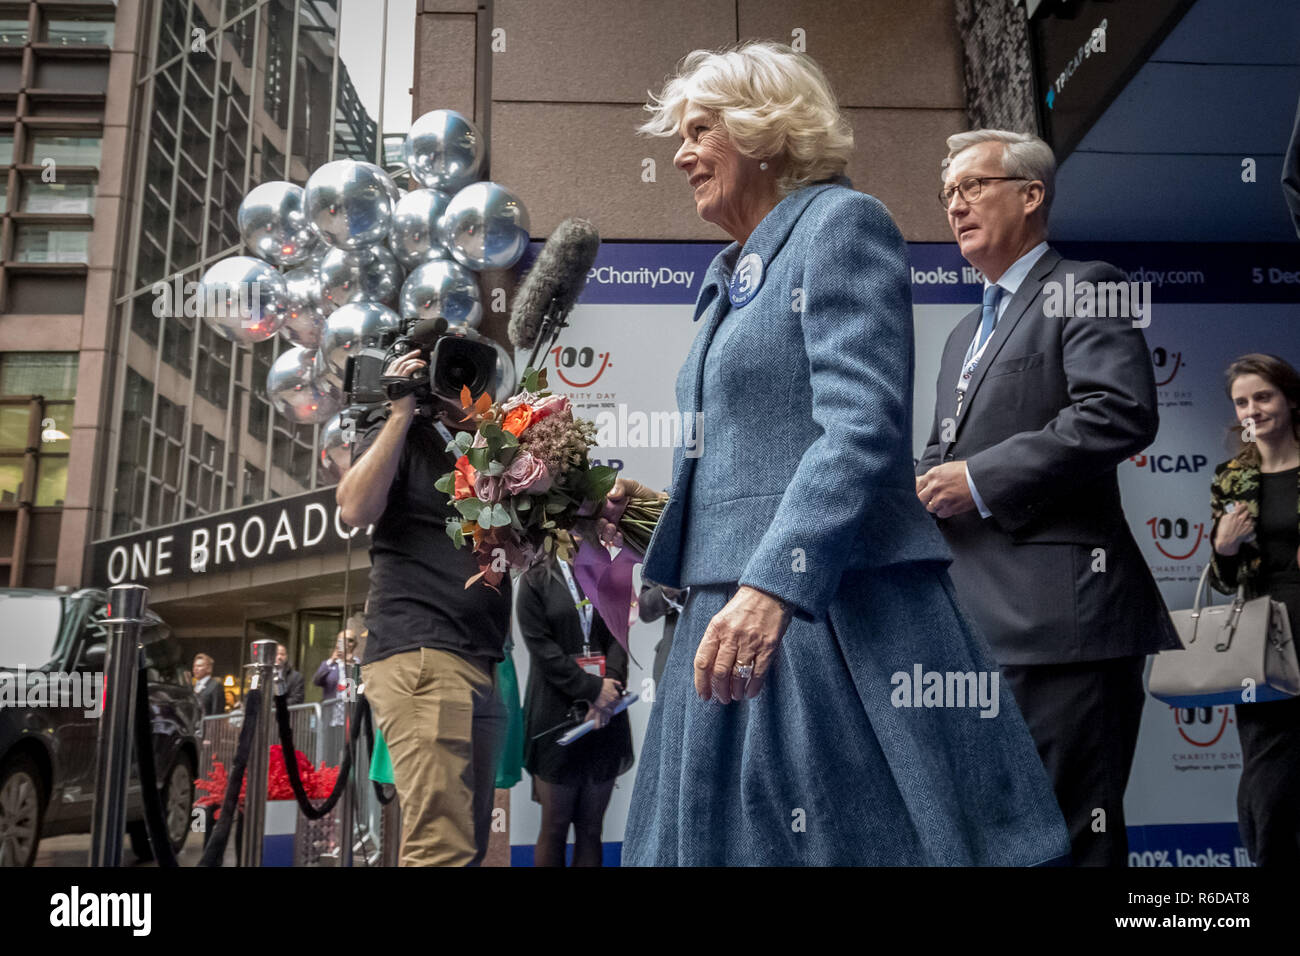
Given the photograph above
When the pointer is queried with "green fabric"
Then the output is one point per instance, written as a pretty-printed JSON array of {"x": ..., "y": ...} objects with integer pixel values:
[
  {"x": 511, "y": 766},
  {"x": 381, "y": 765}
]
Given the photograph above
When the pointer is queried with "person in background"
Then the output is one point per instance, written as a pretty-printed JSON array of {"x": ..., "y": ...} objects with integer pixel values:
[
  {"x": 332, "y": 672},
  {"x": 657, "y": 602},
  {"x": 1255, "y": 503},
  {"x": 208, "y": 689},
  {"x": 1033, "y": 414},
  {"x": 295, "y": 686},
  {"x": 573, "y": 659}
]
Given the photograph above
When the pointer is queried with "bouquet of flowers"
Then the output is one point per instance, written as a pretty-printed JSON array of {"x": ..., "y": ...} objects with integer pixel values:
[{"x": 523, "y": 482}]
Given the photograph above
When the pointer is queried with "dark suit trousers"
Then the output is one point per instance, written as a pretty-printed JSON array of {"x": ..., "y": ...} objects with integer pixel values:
[{"x": 1084, "y": 719}]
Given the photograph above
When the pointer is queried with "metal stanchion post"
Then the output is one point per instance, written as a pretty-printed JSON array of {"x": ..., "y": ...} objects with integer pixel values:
[
  {"x": 126, "y": 609},
  {"x": 347, "y": 805},
  {"x": 259, "y": 757}
]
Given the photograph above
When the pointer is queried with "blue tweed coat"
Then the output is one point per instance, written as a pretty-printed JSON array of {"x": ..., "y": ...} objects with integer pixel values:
[{"x": 804, "y": 488}]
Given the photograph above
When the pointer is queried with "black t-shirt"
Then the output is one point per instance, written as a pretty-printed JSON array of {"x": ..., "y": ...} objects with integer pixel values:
[{"x": 418, "y": 596}]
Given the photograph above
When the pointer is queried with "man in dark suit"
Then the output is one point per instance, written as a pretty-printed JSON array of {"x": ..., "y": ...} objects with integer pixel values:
[
  {"x": 1039, "y": 399},
  {"x": 295, "y": 686},
  {"x": 211, "y": 695}
]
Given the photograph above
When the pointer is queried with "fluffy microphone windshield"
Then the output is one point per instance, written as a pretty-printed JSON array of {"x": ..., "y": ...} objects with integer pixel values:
[{"x": 553, "y": 285}]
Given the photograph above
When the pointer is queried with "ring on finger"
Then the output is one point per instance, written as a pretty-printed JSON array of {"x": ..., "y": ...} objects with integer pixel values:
[{"x": 744, "y": 671}]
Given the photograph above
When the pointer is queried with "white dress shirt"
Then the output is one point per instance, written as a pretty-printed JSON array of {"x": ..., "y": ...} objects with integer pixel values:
[{"x": 1010, "y": 282}]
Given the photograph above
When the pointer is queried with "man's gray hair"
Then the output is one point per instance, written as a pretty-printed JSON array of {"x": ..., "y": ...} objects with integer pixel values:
[{"x": 1023, "y": 154}]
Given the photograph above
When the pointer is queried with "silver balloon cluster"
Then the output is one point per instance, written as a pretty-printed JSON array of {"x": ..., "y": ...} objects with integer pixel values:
[{"x": 349, "y": 257}]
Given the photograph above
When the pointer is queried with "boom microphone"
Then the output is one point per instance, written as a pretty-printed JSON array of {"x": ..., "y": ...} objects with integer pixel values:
[{"x": 553, "y": 285}]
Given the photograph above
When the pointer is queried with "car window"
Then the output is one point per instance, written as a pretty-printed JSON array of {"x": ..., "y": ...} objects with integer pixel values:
[
  {"x": 29, "y": 629},
  {"x": 162, "y": 654}
]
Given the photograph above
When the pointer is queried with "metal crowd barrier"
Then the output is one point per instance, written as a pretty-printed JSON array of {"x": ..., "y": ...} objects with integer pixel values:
[{"x": 319, "y": 733}]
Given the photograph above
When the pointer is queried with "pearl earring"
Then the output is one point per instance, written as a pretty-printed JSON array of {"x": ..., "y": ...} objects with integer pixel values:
[{"x": 762, "y": 165}]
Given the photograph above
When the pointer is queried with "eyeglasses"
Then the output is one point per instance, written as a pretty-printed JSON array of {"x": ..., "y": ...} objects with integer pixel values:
[{"x": 971, "y": 187}]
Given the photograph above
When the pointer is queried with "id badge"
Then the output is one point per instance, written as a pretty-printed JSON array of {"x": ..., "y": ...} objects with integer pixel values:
[{"x": 595, "y": 664}]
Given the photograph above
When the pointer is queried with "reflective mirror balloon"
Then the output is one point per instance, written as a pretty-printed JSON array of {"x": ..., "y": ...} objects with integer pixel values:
[
  {"x": 414, "y": 236},
  {"x": 444, "y": 150},
  {"x": 274, "y": 225},
  {"x": 296, "y": 391},
  {"x": 336, "y": 447},
  {"x": 370, "y": 275},
  {"x": 243, "y": 299},
  {"x": 355, "y": 326},
  {"x": 350, "y": 203},
  {"x": 485, "y": 227},
  {"x": 306, "y": 319},
  {"x": 442, "y": 289}
]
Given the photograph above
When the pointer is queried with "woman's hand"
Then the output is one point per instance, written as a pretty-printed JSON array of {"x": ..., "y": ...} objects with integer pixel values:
[
  {"x": 1234, "y": 527},
  {"x": 599, "y": 709},
  {"x": 624, "y": 490},
  {"x": 746, "y": 631}
]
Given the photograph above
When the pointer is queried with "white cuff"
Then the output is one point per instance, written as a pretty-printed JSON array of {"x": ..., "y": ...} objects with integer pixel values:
[{"x": 974, "y": 493}]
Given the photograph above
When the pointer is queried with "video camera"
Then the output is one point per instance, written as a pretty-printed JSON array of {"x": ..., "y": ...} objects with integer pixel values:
[{"x": 454, "y": 362}]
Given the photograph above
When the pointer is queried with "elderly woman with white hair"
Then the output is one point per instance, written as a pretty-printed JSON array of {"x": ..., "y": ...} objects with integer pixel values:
[{"x": 824, "y": 702}]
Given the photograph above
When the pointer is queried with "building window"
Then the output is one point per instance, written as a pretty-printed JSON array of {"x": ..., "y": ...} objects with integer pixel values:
[
  {"x": 128, "y": 494},
  {"x": 53, "y": 376},
  {"x": 79, "y": 31},
  {"x": 6, "y": 148},
  {"x": 165, "y": 467},
  {"x": 66, "y": 148},
  {"x": 203, "y": 491},
  {"x": 13, "y": 31},
  {"x": 254, "y": 484},
  {"x": 70, "y": 198},
  {"x": 36, "y": 243},
  {"x": 212, "y": 380}
]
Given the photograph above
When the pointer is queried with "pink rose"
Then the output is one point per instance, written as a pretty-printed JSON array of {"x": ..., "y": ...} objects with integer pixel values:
[
  {"x": 489, "y": 488},
  {"x": 551, "y": 405},
  {"x": 526, "y": 473}
]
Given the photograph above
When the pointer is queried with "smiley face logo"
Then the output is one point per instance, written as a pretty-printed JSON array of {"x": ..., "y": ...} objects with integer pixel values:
[
  {"x": 1176, "y": 535},
  {"x": 1165, "y": 363},
  {"x": 1202, "y": 726},
  {"x": 576, "y": 359}
]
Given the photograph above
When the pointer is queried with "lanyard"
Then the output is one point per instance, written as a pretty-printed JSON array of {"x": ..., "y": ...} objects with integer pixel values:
[
  {"x": 443, "y": 430},
  {"x": 584, "y": 610}
]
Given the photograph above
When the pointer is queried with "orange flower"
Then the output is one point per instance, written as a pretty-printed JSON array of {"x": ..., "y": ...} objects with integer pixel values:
[
  {"x": 465, "y": 475},
  {"x": 518, "y": 419}
]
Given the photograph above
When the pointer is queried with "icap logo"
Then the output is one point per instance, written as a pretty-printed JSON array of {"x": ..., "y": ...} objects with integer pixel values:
[
  {"x": 1176, "y": 534},
  {"x": 585, "y": 358},
  {"x": 1202, "y": 726},
  {"x": 1166, "y": 363},
  {"x": 1170, "y": 464}
]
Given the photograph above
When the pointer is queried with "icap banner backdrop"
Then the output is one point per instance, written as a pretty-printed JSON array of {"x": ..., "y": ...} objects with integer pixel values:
[{"x": 618, "y": 363}]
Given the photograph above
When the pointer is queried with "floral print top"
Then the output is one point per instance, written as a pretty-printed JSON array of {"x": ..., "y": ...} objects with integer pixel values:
[{"x": 1237, "y": 482}]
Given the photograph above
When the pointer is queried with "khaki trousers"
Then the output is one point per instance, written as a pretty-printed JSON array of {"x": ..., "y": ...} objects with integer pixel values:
[{"x": 444, "y": 725}]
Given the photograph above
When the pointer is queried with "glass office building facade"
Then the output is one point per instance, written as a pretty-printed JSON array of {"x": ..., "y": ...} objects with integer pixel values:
[{"x": 231, "y": 95}]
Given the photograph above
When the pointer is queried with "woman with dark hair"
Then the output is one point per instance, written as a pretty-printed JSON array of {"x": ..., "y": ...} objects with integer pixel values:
[
  {"x": 1255, "y": 504},
  {"x": 573, "y": 660}
]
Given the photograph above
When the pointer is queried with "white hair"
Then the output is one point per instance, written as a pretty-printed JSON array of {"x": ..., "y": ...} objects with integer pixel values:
[
  {"x": 772, "y": 102},
  {"x": 1023, "y": 154}
]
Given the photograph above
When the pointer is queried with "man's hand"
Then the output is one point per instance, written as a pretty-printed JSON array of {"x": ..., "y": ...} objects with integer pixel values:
[
  {"x": 406, "y": 366},
  {"x": 944, "y": 490}
]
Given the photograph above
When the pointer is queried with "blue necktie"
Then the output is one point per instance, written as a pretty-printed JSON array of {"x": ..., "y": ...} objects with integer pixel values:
[{"x": 989, "y": 316}]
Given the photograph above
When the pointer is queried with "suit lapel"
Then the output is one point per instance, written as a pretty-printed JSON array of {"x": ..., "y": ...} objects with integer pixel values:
[{"x": 1020, "y": 302}]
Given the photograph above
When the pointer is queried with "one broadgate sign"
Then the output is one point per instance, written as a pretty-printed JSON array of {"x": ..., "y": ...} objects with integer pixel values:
[{"x": 306, "y": 525}]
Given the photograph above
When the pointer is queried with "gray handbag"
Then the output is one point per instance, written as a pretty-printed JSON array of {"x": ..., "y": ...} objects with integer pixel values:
[{"x": 1224, "y": 646}]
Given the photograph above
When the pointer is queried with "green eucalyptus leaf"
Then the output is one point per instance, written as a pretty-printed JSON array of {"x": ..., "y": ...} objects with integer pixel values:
[
  {"x": 447, "y": 483},
  {"x": 600, "y": 481}
]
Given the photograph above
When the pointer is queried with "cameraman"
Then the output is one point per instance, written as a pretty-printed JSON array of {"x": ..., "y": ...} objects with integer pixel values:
[{"x": 430, "y": 661}]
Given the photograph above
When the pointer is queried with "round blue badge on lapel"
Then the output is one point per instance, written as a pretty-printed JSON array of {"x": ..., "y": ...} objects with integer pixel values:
[{"x": 745, "y": 281}]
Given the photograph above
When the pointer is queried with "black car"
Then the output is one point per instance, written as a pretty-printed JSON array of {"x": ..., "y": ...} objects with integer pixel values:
[{"x": 47, "y": 750}]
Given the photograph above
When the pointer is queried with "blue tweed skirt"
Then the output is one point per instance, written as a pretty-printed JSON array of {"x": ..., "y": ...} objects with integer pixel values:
[{"x": 827, "y": 766}]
